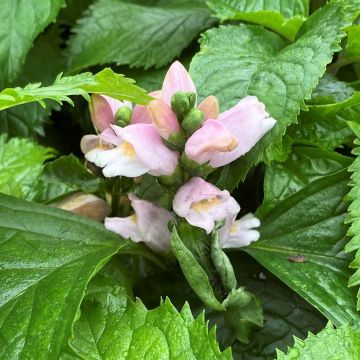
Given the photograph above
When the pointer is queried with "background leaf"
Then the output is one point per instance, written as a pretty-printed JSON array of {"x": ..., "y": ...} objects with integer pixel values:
[
  {"x": 284, "y": 17},
  {"x": 21, "y": 22},
  {"x": 235, "y": 61},
  {"x": 139, "y": 35}
]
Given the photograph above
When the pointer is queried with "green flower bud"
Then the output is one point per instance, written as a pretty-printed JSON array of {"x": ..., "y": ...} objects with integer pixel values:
[
  {"x": 176, "y": 141},
  {"x": 174, "y": 180},
  {"x": 192, "y": 98},
  {"x": 123, "y": 116},
  {"x": 180, "y": 104},
  {"x": 193, "y": 121}
]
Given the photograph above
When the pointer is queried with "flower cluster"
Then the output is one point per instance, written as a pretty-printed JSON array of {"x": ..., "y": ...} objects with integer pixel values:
[{"x": 171, "y": 135}]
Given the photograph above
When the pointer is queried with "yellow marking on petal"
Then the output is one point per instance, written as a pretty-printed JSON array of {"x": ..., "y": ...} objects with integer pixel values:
[
  {"x": 127, "y": 149},
  {"x": 133, "y": 218},
  {"x": 206, "y": 204},
  {"x": 234, "y": 143},
  {"x": 104, "y": 145},
  {"x": 234, "y": 228}
]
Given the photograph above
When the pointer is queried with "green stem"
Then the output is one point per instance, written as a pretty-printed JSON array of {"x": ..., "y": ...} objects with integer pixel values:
[{"x": 115, "y": 196}]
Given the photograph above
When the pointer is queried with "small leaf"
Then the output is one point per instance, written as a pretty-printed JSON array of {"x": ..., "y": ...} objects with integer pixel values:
[
  {"x": 283, "y": 17},
  {"x": 194, "y": 273},
  {"x": 21, "y": 164},
  {"x": 330, "y": 343}
]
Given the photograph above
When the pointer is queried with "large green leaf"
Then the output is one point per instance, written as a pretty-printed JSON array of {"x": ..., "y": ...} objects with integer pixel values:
[
  {"x": 105, "y": 82},
  {"x": 139, "y": 35},
  {"x": 304, "y": 165},
  {"x": 47, "y": 258},
  {"x": 112, "y": 326},
  {"x": 235, "y": 61},
  {"x": 284, "y": 17},
  {"x": 302, "y": 241},
  {"x": 329, "y": 344},
  {"x": 21, "y": 163},
  {"x": 21, "y": 21}
]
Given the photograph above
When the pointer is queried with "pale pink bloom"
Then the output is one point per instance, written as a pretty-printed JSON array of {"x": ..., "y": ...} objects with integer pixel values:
[
  {"x": 130, "y": 151},
  {"x": 210, "y": 107},
  {"x": 239, "y": 233},
  {"x": 103, "y": 110},
  {"x": 149, "y": 224},
  {"x": 240, "y": 128},
  {"x": 202, "y": 204},
  {"x": 140, "y": 114}
]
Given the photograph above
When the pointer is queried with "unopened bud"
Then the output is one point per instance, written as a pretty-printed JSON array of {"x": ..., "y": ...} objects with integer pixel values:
[
  {"x": 101, "y": 113},
  {"x": 193, "y": 121},
  {"x": 87, "y": 205},
  {"x": 180, "y": 104},
  {"x": 123, "y": 116},
  {"x": 173, "y": 180},
  {"x": 210, "y": 107},
  {"x": 163, "y": 118},
  {"x": 176, "y": 141},
  {"x": 192, "y": 98}
]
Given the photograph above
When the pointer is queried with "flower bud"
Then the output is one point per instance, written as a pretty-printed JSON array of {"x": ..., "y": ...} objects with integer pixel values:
[
  {"x": 163, "y": 118},
  {"x": 173, "y": 180},
  {"x": 101, "y": 112},
  {"x": 192, "y": 98},
  {"x": 87, "y": 205},
  {"x": 210, "y": 107},
  {"x": 123, "y": 116},
  {"x": 193, "y": 121},
  {"x": 180, "y": 104},
  {"x": 176, "y": 141}
]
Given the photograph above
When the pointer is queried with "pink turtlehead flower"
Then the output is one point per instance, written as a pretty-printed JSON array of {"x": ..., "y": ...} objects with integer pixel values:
[
  {"x": 232, "y": 135},
  {"x": 130, "y": 151},
  {"x": 239, "y": 233},
  {"x": 103, "y": 110},
  {"x": 202, "y": 204},
  {"x": 148, "y": 224}
]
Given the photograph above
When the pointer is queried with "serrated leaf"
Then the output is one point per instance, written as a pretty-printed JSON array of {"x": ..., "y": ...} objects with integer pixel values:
[
  {"x": 105, "y": 82},
  {"x": 139, "y": 35},
  {"x": 302, "y": 241},
  {"x": 47, "y": 258},
  {"x": 235, "y": 61},
  {"x": 328, "y": 344},
  {"x": 304, "y": 165},
  {"x": 21, "y": 21},
  {"x": 284, "y": 17},
  {"x": 352, "y": 49},
  {"x": 354, "y": 215},
  {"x": 21, "y": 164},
  {"x": 112, "y": 326}
]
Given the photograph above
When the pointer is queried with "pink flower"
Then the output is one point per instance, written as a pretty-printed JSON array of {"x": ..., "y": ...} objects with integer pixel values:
[
  {"x": 148, "y": 224},
  {"x": 239, "y": 233},
  {"x": 202, "y": 204},
  {"x": 103, "y": 110},
  {"x": 232, "y": 135},
  {"x": 130, "y": 151}
]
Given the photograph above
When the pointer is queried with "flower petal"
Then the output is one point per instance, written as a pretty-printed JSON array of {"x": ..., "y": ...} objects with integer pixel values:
[
  {"x": 202, "y": 204},
  {"x": 89, "y": 142},
  {"x": 176, "y": 79},
  {"x": 248, "y": 122},
  {"x": 152, "y": 222},
  {"x": 140, "y": 114},
  {"x": 126, "y": 227},
  {"x": 212, "y": 138},
  {"x": 149, "y": 148}
]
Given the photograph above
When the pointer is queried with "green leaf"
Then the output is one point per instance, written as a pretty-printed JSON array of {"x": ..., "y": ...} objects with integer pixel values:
[
  {"x": 302, "y": 241},
  {"x": 105, "y": 82},
  {"x": 330, "y": 343},
  {"x": 69, "y": 170},
  {"x": 304, "y": 165},
  {"x": 47, "y": 256},
  {"x": 194, "y": 273},
  {"x": 28, "y": 120},
  {"x": 235, "y": 61},
  {"x": 352, "y": 49},
  {"x": 354, "y": 215},
  {"x": 112, "y": 326},
  {"x": 284, "y": 17},
  {"x": 21, "y": 164},
  {"x": 21, "y": 21},
  {"x": 139, "y": 35},
  {"x": 243, "y": 313}
]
